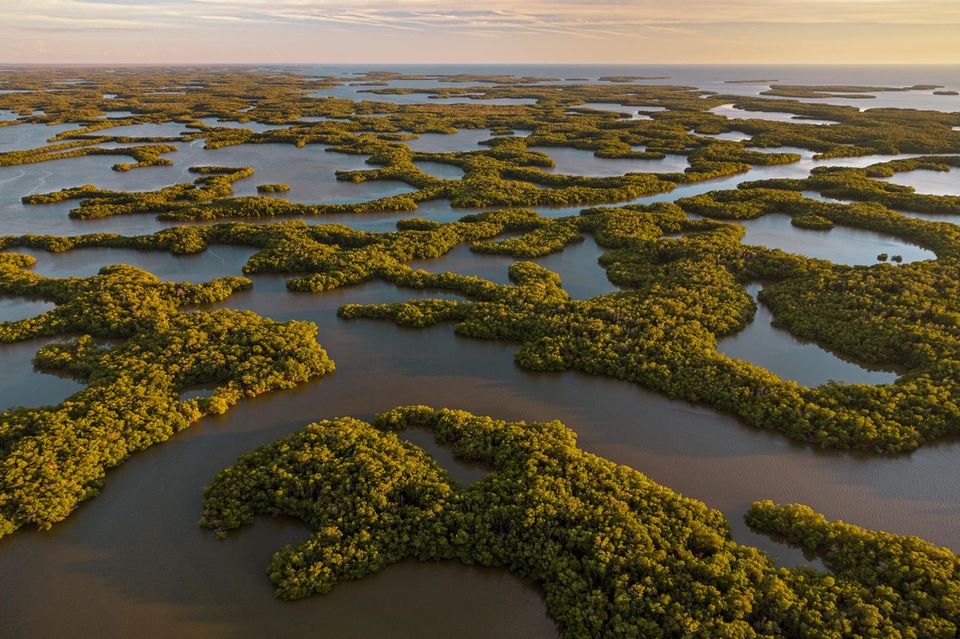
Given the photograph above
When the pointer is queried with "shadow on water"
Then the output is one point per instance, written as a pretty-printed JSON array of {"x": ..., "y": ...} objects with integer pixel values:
[
  {"x": 218, "y": 260},
  {"x": 778, "y": 351},
  {"x": 462, "y": 471},
  {"x": 23, "y": 386}
]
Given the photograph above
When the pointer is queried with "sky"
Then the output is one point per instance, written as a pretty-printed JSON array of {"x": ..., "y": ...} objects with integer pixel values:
[{"x": 494, "y": 31}]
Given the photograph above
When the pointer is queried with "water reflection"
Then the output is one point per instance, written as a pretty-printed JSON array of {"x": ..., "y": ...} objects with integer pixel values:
[
  {"x": 462, "y": 140},
  {"x": 23, "y": 386},
  {"x": 732, "y": 112},
  {"x": 928, "y": 182},
  {"x": 778, "y": 351},
  {"x": 841, "y": 244},
  {"x": 462, "y": 471},
  {"x": 571, "y": 161},
  {"x": 440, "y": 170},
  {"x": 216, "y": 261}
]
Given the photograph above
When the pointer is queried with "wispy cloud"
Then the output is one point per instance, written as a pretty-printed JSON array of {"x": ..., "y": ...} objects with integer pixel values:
[
  {"x": 583, "y": 30},
  {"x": 575, "y": 19}
]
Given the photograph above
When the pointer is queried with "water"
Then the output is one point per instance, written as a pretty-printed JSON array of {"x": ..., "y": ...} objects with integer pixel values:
[
  {"x": 713, "y": 78},
  {"x": 949, "y": 218},
  {"x": 148, "y": 130},
  {"x": 462, "y": 471},
  {"x": 632, "y": 110},
  {"x": 256, "y": 127},
  {"x": 778, "y": 351},
  {"x": 21, "y": 137},
  {"x": 733, "y": 136},
  {"x": 134, "y": 557},
  {"x": 841, "y": 244},
  {"x": 22, "y": 386},
  {"x": 440, "y": 170},
  {"x": 580, "y": 273},
  {"x": 310, "y": 172},
  {"x": 94, "y": 572},
  {"x": 462, "y": 140},
  {"x": 570, "y": 161},
  {"x": 13, "y": 309},
  {"x": 929, "y": 182},
  {"x": 112, "y": 115},
  {"x": 216, "y": 261},
  {"x": 731, "y": 112}
]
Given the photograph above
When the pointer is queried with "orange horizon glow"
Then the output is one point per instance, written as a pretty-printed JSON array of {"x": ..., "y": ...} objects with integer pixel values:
[{"x": 440, "y": 31}]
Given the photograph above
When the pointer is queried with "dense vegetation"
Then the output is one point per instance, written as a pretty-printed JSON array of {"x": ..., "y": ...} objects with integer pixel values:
[
  {"x": 616, "y": 554},
  {"x": 683, "y": 295},
  {"x": 136, "y": 353},
  {"x": 686, "y": 293},
  {"x": 503, "y": 172}
]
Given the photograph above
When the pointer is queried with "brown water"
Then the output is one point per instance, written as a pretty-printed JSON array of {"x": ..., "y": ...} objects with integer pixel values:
[{"x": 133, "y": 560}]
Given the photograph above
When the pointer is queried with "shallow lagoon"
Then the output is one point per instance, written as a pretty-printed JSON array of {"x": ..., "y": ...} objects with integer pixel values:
[
  {"x": 440, "y": 170},
  {"x": 462, "y": 140},
  {"x": 634, "y": 111},
  {"x": 310, "y": 172},
  {"x": 217, "y": 261}
]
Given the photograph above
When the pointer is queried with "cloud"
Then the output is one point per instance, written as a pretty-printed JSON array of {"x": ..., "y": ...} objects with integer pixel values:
[
  {"x": 590, "y": 19},
  {"x": 743, "y": 31}
]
